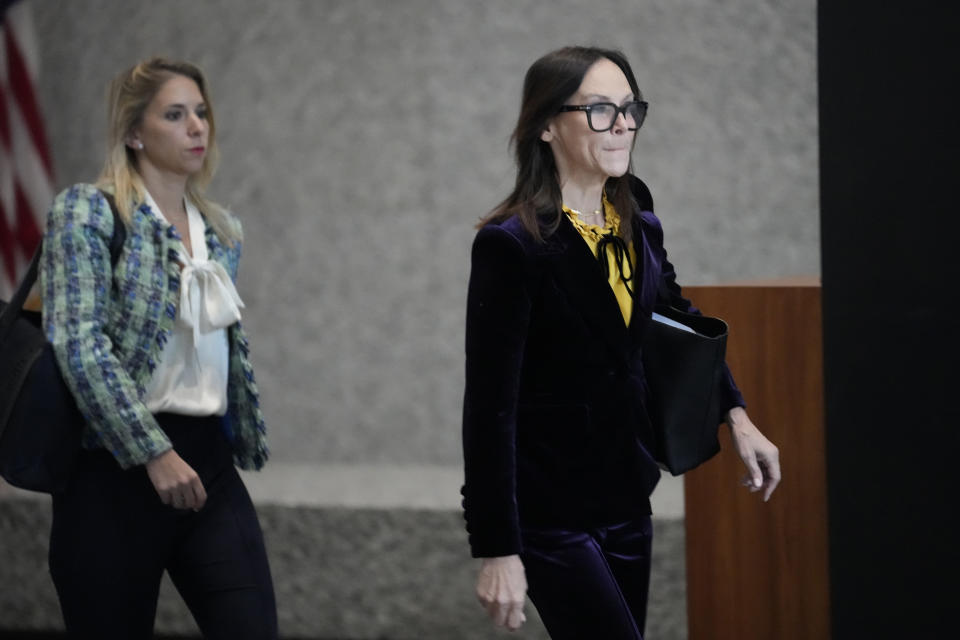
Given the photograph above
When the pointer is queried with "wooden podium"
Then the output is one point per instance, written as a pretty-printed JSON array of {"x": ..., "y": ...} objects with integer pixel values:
[{"x": 755, "y": 570}]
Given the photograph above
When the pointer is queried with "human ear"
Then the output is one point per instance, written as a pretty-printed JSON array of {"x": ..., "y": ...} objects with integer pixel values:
[{"x": 133, "y": 141}]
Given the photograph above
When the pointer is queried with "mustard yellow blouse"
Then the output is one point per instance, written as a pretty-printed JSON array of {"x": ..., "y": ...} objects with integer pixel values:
[{"x": 591, "y": 234}]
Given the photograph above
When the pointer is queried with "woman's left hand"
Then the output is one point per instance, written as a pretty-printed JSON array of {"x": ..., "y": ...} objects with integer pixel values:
[{"x": 761, "y": 456}]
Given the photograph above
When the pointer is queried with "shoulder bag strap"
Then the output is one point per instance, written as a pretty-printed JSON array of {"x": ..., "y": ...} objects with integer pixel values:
[
  {"x": 12, "y": 310},
  {"x": 119, "y": 230}
]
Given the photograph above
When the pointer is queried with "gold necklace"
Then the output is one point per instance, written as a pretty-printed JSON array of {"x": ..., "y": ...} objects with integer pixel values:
[
  {"x": 596, "y": 212},
  {"x": 598, "y": 217}
]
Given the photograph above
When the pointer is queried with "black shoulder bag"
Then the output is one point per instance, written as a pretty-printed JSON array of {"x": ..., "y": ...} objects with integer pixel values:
[
  {"x": 40, "y": 424},
  {"x": 683, "y": 370}
]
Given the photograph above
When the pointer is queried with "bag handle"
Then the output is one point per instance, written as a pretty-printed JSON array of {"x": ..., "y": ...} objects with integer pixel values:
[
  {"x": 12, "y": 310},
  {"x": 119, "y": 230}
]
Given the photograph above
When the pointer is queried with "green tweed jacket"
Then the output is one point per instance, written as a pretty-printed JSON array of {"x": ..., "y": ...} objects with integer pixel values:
[{"x": 108, "y": 326}]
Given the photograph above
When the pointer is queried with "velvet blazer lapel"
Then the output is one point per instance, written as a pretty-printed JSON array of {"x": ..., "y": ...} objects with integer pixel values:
[
  {"x": 577, "y": 271},
  {"x": 646, "y": 284}
]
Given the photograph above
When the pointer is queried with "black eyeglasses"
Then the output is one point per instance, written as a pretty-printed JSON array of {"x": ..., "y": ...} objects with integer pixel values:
[{"x": 601, "y": 116}]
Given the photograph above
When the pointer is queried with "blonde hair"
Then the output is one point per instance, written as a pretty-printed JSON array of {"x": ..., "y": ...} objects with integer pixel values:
[{"x": 129, "y": 95}]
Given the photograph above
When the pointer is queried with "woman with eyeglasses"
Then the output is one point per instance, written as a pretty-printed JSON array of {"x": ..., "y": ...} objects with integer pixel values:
[
  {"x": 149, "y": 341},
  {"x": 565, "y": 274}
]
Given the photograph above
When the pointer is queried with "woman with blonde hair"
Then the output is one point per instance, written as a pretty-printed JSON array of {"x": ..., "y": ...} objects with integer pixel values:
[{"x": 150, "y": 344}]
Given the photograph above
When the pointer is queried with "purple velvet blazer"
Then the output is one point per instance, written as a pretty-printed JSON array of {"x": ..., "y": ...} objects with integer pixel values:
[{"x": 555, "y": 429}]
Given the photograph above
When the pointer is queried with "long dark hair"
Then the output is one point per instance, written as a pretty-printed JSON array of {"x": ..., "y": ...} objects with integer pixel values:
[{"x": 536, "y": 197}]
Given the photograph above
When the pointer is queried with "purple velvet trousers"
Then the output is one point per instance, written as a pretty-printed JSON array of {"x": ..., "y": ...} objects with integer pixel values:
[{"x": 590, "y": 583}]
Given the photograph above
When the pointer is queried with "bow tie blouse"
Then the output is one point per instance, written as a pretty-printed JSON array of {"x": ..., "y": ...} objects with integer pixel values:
[
  {"x": 623, "y": 258},
  {"x": 191, "y": 377}
]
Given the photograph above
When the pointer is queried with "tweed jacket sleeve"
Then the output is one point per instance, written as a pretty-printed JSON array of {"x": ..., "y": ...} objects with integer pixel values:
[{"x": 77, "y": 284}]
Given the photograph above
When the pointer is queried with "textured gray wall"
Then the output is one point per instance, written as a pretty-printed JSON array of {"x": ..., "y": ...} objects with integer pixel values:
[{"x": 362, "y": 139}]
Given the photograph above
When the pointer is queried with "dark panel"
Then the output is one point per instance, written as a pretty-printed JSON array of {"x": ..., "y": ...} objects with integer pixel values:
[{"x": 889, "y": 173}]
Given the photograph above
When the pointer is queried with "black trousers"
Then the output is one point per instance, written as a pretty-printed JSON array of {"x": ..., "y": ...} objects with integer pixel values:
[{"x": 112, "y": 539}]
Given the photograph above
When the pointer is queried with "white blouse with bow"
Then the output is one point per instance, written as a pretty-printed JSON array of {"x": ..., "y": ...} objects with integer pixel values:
[{"x": 191, "y": 377}]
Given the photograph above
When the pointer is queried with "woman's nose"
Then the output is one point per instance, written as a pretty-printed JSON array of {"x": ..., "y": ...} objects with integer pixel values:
[
  {"x": 620, "y": 123},
  {"x": 195, "y": 124}
]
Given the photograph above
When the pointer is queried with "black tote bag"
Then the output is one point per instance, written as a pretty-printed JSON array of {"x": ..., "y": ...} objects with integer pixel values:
[
  {"x": 39, "y": 419},
  {"x": 40, "y": 424},
  {"x": 683, "y": 370}
]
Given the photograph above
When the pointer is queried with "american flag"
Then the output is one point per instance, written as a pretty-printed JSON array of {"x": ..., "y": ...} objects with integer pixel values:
[{"x": 26, "y": 168}]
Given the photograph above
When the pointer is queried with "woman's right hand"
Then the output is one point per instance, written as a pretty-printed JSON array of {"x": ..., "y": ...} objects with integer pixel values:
[
  {"x": 502, "y": 589},
  {"x": 177, "y": 484}
]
